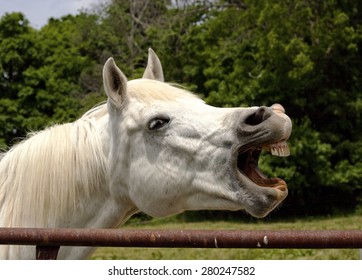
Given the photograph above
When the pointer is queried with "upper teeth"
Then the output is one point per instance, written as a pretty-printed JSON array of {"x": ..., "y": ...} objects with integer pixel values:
[{"x": 280, "y": 149}]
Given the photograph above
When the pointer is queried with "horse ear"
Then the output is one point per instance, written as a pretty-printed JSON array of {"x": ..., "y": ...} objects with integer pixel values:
[
  {"x": 115, "y": 83},
  {"x": 153, "y": 69}
]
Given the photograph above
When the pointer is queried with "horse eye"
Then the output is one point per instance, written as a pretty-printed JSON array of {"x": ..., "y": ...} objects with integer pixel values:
[{"x": 158, "y": 123}]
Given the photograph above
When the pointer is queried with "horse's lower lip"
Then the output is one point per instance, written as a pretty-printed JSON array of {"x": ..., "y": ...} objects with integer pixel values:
[{"x": 247, "y": 164}]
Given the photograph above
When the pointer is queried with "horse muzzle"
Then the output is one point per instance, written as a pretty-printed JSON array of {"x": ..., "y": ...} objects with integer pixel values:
[{"x": 268, "y": 128}]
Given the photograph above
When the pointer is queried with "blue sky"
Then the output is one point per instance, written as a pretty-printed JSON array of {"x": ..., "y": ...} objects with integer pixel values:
[{"x": 39, "y": 11}]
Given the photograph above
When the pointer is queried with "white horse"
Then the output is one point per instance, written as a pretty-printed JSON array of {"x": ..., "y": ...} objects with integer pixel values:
[{"x": 152, "y": 147}]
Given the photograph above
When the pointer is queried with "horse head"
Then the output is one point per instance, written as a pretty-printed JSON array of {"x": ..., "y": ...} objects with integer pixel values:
[{"x": 170, "y": 152}]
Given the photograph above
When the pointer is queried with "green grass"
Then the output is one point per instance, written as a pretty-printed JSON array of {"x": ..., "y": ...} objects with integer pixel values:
[{"x": 339, "y": 223}]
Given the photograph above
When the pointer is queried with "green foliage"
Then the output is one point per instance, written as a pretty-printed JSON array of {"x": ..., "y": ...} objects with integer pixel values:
[
  {"x": 40, "y": 74},
  {"x": 303, "y": 54},
  {"x": 16, "y": 51}
]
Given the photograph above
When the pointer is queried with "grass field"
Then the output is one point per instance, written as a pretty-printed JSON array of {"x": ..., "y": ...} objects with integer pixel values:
[{"x": 339, "y": 223}]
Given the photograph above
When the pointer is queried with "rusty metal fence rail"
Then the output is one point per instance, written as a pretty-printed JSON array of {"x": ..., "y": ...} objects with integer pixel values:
[{"x": 48, "y": 241}]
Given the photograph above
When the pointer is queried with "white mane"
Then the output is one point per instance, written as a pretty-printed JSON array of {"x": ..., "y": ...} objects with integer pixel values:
[{"x": 53, "y": 168}]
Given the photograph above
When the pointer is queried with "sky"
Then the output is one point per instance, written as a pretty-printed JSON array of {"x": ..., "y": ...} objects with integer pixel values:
[{"x": 39, "y": 11}]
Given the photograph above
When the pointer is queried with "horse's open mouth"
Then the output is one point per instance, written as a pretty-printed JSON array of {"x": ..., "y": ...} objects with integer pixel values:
[{"x": 247, "y": 163}]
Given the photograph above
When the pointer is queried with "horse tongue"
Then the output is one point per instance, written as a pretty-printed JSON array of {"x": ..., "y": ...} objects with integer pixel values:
[
  {"x": 253, "y": 172},
  {"x": 251, "y": 168}
]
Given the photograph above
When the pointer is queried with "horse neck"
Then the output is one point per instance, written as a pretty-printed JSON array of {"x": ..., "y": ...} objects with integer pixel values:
[{"x": 58, "y": 178}]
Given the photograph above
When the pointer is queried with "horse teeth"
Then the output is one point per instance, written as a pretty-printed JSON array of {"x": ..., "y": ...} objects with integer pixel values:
[
  {"x": 279, "y": 149},
  {"x": 281, "y": 152}
]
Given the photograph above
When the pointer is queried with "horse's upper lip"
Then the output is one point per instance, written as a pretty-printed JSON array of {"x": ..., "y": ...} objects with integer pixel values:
[{"x": 247, "y": 163}]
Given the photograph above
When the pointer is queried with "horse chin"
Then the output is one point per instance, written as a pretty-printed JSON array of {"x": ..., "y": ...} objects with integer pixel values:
[{"x": 266, "y": 193}]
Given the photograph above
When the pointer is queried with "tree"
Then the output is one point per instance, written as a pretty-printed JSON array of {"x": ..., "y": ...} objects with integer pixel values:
[
  {"x": 40, "y": 74},
  {"x": 17, "y": 52}
]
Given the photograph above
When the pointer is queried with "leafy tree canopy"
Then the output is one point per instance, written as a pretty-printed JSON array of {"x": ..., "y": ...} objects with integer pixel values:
[{"x": 305, "y": 55}]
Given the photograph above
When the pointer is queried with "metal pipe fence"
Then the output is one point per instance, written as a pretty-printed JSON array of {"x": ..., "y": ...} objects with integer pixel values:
[{"x": 48, "y": 241}]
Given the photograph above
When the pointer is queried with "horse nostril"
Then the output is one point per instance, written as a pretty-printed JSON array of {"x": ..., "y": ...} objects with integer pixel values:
[{"x": 260, "y": 115}]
